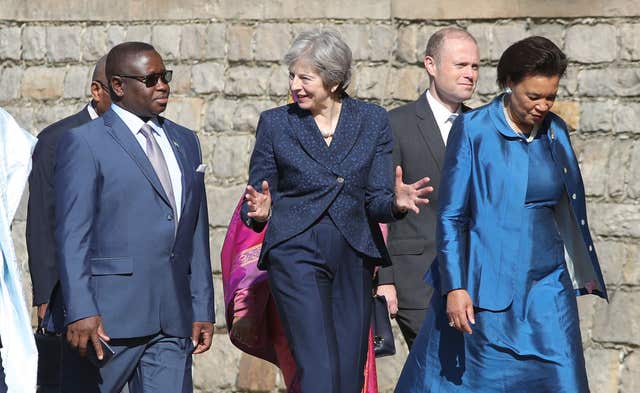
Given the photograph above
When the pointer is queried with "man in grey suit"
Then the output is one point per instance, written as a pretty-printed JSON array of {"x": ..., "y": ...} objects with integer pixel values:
[{"x": 420, "y": 131}]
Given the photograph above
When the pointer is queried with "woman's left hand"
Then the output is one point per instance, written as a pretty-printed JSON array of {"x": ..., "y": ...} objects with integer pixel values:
[{"x": 409, "y": 196}]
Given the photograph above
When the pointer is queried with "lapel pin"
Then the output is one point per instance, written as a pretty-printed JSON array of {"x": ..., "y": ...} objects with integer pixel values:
[
  {"x": 553, "y": 135},
  {"x": 176, "y": 144}
]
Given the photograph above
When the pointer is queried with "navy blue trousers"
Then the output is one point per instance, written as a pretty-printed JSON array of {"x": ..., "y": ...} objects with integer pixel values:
[
  {"x": 322, "y": 288},
  {"x": 154, "y": 364}
]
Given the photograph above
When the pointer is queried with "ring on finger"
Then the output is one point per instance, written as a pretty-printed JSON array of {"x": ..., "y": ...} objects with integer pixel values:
[{"x": 452, "y": 324}]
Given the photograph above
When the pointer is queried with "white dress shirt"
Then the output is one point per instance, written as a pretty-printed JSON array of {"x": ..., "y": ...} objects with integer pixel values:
[
  {"x": 135, "y": 123},
  {"x": 92, "y": 112},
  {"x": 443, "y": 117}
]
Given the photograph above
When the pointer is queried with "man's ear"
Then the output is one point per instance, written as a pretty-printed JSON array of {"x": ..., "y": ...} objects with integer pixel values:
[
  {"x": 117, "y": 84},
  {"x": 430, "y": 65}
]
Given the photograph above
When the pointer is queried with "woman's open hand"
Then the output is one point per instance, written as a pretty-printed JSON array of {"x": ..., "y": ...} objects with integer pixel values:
[
  {"x": 409, "y": 196},
  {"x": 259, "y": 203}
]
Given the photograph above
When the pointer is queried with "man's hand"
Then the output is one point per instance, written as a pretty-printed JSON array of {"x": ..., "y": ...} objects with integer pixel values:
[
  {"x": 460, "y": 310},
  {"x": 42, "y": 310},
  {"x": 389, "y": 293},
  {"x": 80, "y": 332},
  {"x": 201, "y": 335}
]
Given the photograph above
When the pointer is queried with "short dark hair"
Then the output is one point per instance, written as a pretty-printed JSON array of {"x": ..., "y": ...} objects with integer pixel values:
[
  {"x": 119, "y": 54},
  {"x": 533, "y": 55}
]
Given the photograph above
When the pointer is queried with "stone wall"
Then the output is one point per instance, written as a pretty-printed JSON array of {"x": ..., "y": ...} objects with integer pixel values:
[{"x": 226, "y": 60}]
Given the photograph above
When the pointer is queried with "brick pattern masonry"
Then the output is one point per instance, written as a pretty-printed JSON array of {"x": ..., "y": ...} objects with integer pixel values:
[{"x": 227, "y": 69}]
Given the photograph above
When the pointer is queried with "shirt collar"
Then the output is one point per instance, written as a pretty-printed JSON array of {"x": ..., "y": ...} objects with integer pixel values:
[
  {"x": 440, "y": 112},
  {"x": 92, "y": 111},
  {"x": 134, "y": 123}
]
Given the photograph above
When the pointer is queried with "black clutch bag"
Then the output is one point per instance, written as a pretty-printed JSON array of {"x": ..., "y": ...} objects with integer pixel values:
[
  {"x": 383, "y": 342},
  {"x": 49, "y": 357}
]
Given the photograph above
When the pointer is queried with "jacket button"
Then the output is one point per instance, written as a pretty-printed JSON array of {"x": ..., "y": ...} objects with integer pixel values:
[
  {"x": 573, "y": 196},
  {"x": 590, "y": 247},
  {"x": 582, "y": 222},
  {"x": 340, "y": 179},
  {"x": 169, "y": 217},
  {"x": 173, "y": 255},
  {"x": 565, "y": 169}
]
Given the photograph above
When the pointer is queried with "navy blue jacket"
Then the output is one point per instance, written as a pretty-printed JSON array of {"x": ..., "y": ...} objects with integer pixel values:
[
  {"x": 352, "y": 179},
  {"x": 118, "y": 253}
]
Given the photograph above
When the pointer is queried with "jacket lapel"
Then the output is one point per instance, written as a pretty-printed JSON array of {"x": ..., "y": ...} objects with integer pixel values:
[
  {"x": 347, "y": 132},
  {"x": 305, "y": 130},
  {"x": 123, "y": 136},
  {"x": 429, "y": 130},
  {"x": 178, "y": 145}
]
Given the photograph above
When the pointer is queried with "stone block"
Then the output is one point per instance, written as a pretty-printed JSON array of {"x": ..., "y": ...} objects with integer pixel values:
[
  {"x": 10, "y": 79},
  {"x": 406, "y": 83},
  {"x": 569, "y": 111},
  {"x": 617, "y": 168},
  {"x": 630, "y": 378},
  {"x": 279, "y": 81},
  {"x": 9, "y": 43},
  {"x": 602, "y": 369},
  {"x": 140, "y": 33},
  {"x": 222, "y": 201},
  {"x": 630, "y": 41},
  {"x": 194, "y": 41},
  {"x": 608, "y": 82},
  {"x": 632, "y": 180},
  {"x": 329, "y": 9},
  {"x": 610, "y": 219},
  {"x": 569, "y": 82},
  {"x": 256, "y": 375},
  {"x": 552, "y": 31},
  {"x": 631, "y": 274},
  {"x": 231, "y": 157},
  {"x": 618, "y": 322},
  {"x": 215, "y": 370},
  {"x": 382, "y": 42},
  {"x": 596, "y": 116},
  {"x": 216, "y": 239},
  {"x": 24, "y": 115},
  {"x": 422, "y": 37},
  {"x": 357, "y": 37},
  {"x": 219, "y": 115},
  {"x": 94, "y": 43},
  {"x": 271, "y": 41},
  {"x": 591, "y": 43},
  {"x": 45, "y": 114},
  {"x": 186, "y": 111},
  {"x": 63, "y": 43},
  {"x": 405, "y": 50},
  {"x": 219, "y": 302},
  {"x": 482, "y": 32},
  {"x": 504, "y": 36},
  {"x": 243, "y": 80},
  {"x": 42, "y": 82},
  {"x": 586, "y": 311},
  {"x": 207, "y": 78},
  {"x": 216, "y": 41},
  {"x": 371, "y": 82},
  {"x": 115, "y": 35},
  {"x": 487, "y": 84},
  {"x": 239, "y": 40},
  {"x": 166, "y": 40},
  {"x": 626, "y": 117},
  {"x": 611, "y": 255},
  {"x": 246, "y": 114},
  {"x": 181, "y": 80},
  {"x": 246, "y": 9},
  {"x": 593, "y": 156},
  {"x": 77, "y": 82},
  {"x": 34, "y": 42}
]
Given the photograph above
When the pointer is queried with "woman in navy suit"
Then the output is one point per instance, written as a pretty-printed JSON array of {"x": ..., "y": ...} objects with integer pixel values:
[
  {"x": 324, "y": 172},
  {"x": 514, "y": 247}
]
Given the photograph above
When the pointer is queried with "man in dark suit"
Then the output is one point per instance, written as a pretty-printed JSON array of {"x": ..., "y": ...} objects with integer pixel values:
[
  {"x": 420, "y": 131},
  {"x": 133, "y": 237},
  {"x": 40, "y": 214}
]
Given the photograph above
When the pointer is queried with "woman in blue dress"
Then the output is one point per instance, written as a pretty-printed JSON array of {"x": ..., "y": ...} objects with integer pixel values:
[{"x": 514, "y": 247}]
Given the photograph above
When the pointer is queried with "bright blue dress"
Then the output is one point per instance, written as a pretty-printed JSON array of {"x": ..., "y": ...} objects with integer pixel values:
[{"x": 533, "y": 346}]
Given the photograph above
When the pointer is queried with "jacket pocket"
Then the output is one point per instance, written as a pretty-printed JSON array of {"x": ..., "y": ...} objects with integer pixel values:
[
  {"x": 413, "y": 246},
  {"x": 111, "y": 266}
]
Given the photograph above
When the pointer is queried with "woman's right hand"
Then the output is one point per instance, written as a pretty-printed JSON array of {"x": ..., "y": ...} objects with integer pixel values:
[
  {"x": 460, "y": 310},
  {"x": 259, "y": 203}
]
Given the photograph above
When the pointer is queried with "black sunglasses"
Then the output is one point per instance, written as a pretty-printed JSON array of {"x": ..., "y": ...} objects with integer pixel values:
[{"x": 151, "y": 79}]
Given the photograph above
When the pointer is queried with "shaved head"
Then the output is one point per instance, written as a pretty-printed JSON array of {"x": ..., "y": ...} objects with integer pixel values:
[
  {"x": 121, "y": 57},
  {"x": 99, "y": 72}
]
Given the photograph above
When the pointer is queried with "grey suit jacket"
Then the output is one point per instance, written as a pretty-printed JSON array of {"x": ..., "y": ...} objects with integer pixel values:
[{"x": 419, "y": 150}]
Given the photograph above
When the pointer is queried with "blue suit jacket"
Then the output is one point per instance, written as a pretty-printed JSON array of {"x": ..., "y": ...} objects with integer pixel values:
[
  {"x": 118, "y": 253},
  {"x": 352, "y": 179},
  {"x": 482, "y": 192}
]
